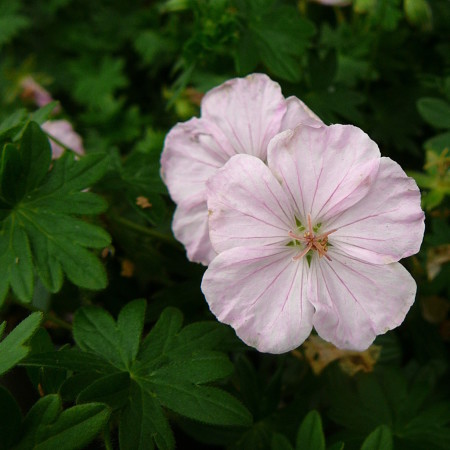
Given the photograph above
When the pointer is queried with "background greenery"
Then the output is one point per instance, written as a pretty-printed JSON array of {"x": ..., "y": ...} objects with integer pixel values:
[{"x": 90, "y": 366}]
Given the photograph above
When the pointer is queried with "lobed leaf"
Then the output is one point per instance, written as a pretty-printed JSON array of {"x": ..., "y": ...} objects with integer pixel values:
[
  {"x": 13, "y": 348},
  {"x": 37, "y": 231}
]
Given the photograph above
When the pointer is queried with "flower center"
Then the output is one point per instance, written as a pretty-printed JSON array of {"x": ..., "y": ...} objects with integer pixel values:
[{"x": 311, "y": 240}]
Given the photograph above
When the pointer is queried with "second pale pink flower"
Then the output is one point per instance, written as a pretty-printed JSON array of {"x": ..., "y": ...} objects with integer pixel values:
[{"x": 241, "y": 115}]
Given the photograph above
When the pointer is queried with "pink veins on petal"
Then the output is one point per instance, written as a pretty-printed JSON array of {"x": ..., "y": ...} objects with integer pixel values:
[
  {"x": 240, "y": 116},
  {"x": 312, "y": 239}
]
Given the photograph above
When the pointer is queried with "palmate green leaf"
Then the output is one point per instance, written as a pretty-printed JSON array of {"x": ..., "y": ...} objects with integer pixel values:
[
  {"x": 111, "y": 389},
  {"x": 38, "y": 232},
  {"x": 280, "y": 36},
  {"x": 70, "y": 359},
  {"x": 46, "y": 427},
  {"x": 139, "y": 379},
  {"x": 143, "y": 423},
  {"x": 13, "y": 348},
  {"x": 206, "y": 404},
  {"x": 96, "y": 331}
]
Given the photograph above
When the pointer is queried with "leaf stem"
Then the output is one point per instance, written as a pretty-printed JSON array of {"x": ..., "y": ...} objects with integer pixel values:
[
  {"x": 49, "y": 317},
  {"x": 145, "y": 230},
  {"x": 107, "y": 438}
]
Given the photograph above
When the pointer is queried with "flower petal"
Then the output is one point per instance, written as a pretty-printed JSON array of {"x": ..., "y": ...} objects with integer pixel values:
[
  {"x": 324, "y": 170},
  {"x": 298, "y": 113},
  {"x": 247, "y": 206},
  {"x": 260, "y": 292},
  {"x": 190, "y": 227},
  {"x": 248, "y": 111},
  {"x": 193, "y": 151},
  {"x": 355, "y": 301},
  {"x": 388, "y": 224}
]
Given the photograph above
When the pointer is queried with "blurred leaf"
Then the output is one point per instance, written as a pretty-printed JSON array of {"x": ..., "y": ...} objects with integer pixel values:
[
  {"x": 97, "y": 83},
  {"x": 151, "y": 45},
  {"x": 418, "y": 13},
  {"x": 435, "y": 111},
  {"x": 310, "y": 434},
  {"x": 379, "y": 439},
  {"x": 13, "y": 348},
  {"x": 280, "y": 442},
  {"x": 322, "y": 70},
  {"x": 11, "y": 21},
  {"x": 438, "y": 143}
]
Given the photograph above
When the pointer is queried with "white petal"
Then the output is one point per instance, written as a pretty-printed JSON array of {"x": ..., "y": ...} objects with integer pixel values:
[
  {"x": 324, "y": 170},
  {"x": 247, "y": 206},
  {"x": 193, "y": 151},
  {"x": 299, "y": 114},
  {"x": 190, "y": 227},
  {"x": 387, "y": 224},
  {"x": 260, "y": 292},
  {"x": 356, "y": 301},
  {"x": 248, "y": 111}
]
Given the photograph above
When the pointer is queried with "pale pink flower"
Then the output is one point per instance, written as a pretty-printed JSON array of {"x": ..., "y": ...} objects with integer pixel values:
[
  {"x": 312, "y": 239},
  {"x": 63, "y": 132},
  {"x": 240, "y": 116},
  {"x": 36, "y": 93},
  {"x": 333, "y": 2}
]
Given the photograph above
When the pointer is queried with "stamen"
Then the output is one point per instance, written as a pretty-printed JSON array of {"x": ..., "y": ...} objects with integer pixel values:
[
  {"x": 303, "y": 252},
  {"x": 312, "y": 242}
]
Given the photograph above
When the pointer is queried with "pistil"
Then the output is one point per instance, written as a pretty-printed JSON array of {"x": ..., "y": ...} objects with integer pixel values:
[{"x": 312, "y": 242}]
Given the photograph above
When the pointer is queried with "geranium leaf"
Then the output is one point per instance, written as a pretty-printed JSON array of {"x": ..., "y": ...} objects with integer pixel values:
[
  {"x": 42, "y": 413},
  {"x": 130, "y": 324},
  {"x": 137, "y": 378},
  {"x": 111, "y": 389},
  {"x": 13, "y": 348},
  {"x": 143, "y": 423},
  {"x": 46, "y": 427},
  {"x": 70, "y": 359},
  {"x": 207, "y": 404},
  {"x": 37, "y": 231}
]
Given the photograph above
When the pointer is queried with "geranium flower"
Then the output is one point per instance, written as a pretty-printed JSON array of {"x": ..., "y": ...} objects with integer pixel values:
[
  {"x": 240, "y": 116},
  {"x": 312, "y": 239},
  {"x": 62, "y": 131},
  {"x": 333, "y": 2}
]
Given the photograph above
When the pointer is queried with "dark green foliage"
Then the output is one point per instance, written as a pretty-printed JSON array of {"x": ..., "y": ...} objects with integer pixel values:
[
  {"x": 39, "y": 231},
  {"x": 138, "y": 379}
]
